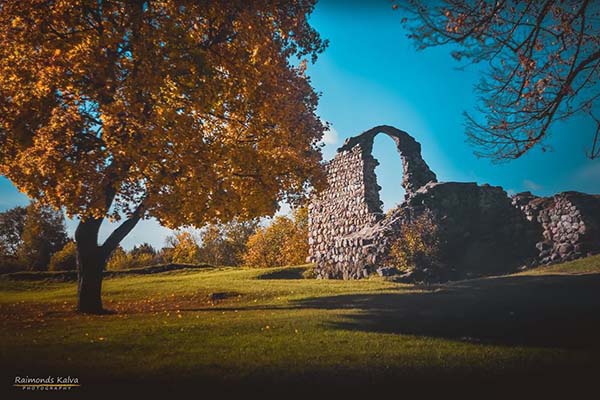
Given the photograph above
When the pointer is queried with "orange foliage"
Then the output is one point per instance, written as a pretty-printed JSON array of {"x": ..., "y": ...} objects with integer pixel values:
[
  {"x": 192, "y": 112},
  {"x": 283, "y": 242}
]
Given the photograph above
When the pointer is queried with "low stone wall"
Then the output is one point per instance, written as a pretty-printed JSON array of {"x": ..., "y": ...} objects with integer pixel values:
[
  {"x": 570, "y": 224},
  {"x": 482, "y": 229}
]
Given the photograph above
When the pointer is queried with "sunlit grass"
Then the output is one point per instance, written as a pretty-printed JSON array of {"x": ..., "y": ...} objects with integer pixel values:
[{"x": 229, "y": 325}]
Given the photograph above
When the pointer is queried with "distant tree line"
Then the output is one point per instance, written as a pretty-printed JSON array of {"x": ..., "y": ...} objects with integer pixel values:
[
  {"x": 30, "y": 238},
  {"x": 34, "y": 238},
  {"x": 283, "y": 241}
]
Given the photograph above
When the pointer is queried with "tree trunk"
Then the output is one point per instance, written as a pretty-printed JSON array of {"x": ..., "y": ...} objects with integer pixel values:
[
  {"x": 90, "y": 265},
  {"x": 92, "y": 258},
  {"x": 89, "y": 283}
]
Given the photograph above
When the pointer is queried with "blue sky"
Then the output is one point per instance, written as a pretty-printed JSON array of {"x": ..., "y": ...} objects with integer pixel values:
[{"x": 371, "y": 75}]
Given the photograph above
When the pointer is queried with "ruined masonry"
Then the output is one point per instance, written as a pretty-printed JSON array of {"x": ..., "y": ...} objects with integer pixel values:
[{"x": 483, "y": 230}]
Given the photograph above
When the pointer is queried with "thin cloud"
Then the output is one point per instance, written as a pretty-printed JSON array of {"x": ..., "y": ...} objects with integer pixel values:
[
  {"x": 331, "y": 136},
  {"x": 590, "y": 171},
  {"x": 531, "y": 185}
]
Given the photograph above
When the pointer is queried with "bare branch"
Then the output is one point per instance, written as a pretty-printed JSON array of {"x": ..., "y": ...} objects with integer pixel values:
[{"x": 543, "y": 64}]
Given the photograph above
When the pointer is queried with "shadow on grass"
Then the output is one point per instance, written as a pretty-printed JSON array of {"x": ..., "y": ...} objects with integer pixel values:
[
  {"x": 287, "y": 273},
  {"x": 544, "y": 311}
]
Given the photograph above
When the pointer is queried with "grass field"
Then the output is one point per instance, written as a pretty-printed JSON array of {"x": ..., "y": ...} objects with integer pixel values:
[{"x": 232, "y": 326}]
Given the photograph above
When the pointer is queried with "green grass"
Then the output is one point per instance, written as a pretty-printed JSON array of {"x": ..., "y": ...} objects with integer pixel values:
[{"x": 232, "y": 325}]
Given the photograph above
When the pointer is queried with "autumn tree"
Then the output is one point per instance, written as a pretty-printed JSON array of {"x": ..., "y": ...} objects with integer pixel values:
[
  {"x": 144, "y": 255},
  {"x": 44, "y": 233},
  {"x": 295, "y": 246},
  {"x": 282, "y": 242},
  {"x": 12, "y": 222},
  {"x": 185, "y": 248},
  {"x": 225, "y": 243},
  {"x": 64, "y": 259},
  {"x": 543, "y": 64},
  {"x": 119, "y": 259},
  {"x": 30, "y": 235},
  {"x": 418, "y": 246},
  {"x": 190, "y": 112}
]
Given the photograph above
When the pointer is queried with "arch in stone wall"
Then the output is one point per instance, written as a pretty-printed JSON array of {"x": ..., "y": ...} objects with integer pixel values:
[
  {"x": 416, "y": 172},
  {"x": 349, "y": 236},
  {"x": 341, "y": 215}
]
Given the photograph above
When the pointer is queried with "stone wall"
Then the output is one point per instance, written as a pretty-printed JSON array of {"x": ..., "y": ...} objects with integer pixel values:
[
  {"x": 570, "y": 224},
  {"x": 483, "y": 230},
  {"x": 339, "y": 244},
  {"x": 346, "y": 206}
]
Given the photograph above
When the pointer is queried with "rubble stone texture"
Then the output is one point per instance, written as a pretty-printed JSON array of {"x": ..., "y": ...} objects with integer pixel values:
[{"x": 483, "y": 230}]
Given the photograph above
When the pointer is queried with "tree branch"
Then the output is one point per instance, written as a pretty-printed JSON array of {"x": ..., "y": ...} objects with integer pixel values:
[{"x": 123, "y": 230}]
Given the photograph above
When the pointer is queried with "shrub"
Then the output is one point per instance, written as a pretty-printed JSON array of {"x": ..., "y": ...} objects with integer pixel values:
[
  {"x": 65, "y": 259},
  {"x": 309, "y": 273},
  {"x": 10, "y": 264},
  {"x": 418, "y": 244}
]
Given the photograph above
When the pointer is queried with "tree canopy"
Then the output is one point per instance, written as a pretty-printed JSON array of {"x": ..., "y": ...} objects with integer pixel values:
[
  {"x": 188, "y": 111},
  {"x": 12, "y": 223},
  {"x": 543, "y": 65},
  {"x": 282, "y": 242},
  {"x": 191, "y": 110},
  {"x": 44, "y": 233},
  {"x": 225, "y": 244},
  {"x": 30, "y": 235}
]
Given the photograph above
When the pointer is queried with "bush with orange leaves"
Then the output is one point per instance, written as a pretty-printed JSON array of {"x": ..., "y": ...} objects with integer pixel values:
[{"x": 418, "y": 245}]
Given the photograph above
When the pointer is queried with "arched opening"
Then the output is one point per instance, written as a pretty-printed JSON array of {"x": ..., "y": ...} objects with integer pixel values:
[{"x": 389, "y": 171}]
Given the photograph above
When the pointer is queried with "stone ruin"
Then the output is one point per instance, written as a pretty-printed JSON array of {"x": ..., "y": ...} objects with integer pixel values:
[{"x": 483, "y": 230}]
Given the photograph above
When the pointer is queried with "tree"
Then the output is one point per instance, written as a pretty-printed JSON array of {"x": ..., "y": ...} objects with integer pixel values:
[
  {"x": 140, "y": 256},
  {"x": 225, "y": 244},
  {"x": 185, "y": 248},
  {"x": 30, "y": 235},
  {"x": 283, "y": 242},
  {"x": 544, "y": 65},
  {"x": 12, "y": 223},
  {"x": 144, "y": 255},
  {"x": 189, "y": 112},
  {"x": 144, "y": 249},
  {"x": 260, "y": 253},
  {"x": 44, "y": 233},
  {"x": 119, "y": 259},
  {"x": 65, "y": 259},
  {"x": 295, "y": 247},
  {"x": 11, "y": 228}
]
